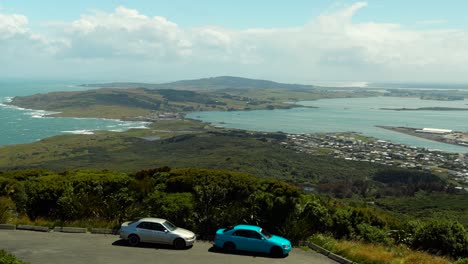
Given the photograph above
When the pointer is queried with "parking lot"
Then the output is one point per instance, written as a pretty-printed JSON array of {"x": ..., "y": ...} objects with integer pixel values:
[{"x": 56, "y": 247}]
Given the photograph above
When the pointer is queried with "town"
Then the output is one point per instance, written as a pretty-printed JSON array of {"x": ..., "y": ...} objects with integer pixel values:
[{"x": 352, "y": 146}]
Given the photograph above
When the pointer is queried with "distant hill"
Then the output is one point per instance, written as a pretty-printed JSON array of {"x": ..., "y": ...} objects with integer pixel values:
[
  {"x": 143, "y": 101},
  {"x": 209, "y": 84}
]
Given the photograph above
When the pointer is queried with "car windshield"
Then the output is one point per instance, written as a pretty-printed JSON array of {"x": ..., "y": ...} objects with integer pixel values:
[
  {"x": 170, "y": 226},
  {"x": 265, "y": 233}
]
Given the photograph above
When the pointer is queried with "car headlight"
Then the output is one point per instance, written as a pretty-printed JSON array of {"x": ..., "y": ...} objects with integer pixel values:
[{"x": 286, "y": 246}]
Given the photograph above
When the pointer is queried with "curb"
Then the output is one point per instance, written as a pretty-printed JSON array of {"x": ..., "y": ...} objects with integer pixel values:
[
  {"x": 329, "y": 254},
  {"x": 33, "y": 228},
  {"x": 104, "y": 231},
  {"x": 70, "y": 229},
  {"x": 7, "y": 227},
  {"x": 319, "y": 249},
  {"x": 339, "y": 258}
]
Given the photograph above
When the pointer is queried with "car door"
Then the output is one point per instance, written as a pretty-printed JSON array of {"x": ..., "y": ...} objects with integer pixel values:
[
  {"x": 160, "y": 234},
  {"x": 255, "y": 241},
  {"x": 239, "y": 237},
  {"x": 250, "y": 240},
  {"x": 145, "y": 232},
  {"x": 258, "y": 242}
]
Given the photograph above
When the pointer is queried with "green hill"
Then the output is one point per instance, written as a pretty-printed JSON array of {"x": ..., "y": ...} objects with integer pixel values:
[
  {"x": 136, "y": 101},
  {"x": 208, "y": 84}
]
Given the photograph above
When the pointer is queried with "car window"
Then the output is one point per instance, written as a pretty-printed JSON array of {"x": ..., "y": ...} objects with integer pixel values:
[
  {"x": 170, "y": 226},
  {"x": 265, "y": 233},
  {"x": 229, "y": 228},
  {"x": 157, "y": 227},
  {"x": 255, "y": 235},
  {"x": 240, "y": 233},
  {"x": 144, "y": 225}
]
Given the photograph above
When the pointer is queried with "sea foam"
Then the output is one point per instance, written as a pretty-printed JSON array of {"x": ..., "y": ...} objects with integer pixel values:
[{"x": 79, "y": 132}]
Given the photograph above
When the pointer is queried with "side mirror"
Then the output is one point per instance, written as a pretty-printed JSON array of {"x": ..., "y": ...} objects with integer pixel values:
[{"x": 166, "y": 231}]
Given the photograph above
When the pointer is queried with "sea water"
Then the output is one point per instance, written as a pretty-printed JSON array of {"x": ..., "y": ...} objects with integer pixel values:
[
  {"x": 19, "y": 125},
  {"x": 361, "y": 115}
]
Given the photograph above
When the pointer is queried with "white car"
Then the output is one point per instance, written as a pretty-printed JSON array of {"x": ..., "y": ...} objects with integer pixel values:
[{"x": 156, "y": 230}]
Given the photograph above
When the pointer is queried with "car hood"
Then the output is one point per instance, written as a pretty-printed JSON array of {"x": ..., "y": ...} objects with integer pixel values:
[
  {"x": 279, "y": 240},
  {"x": 183, "y": 232}
]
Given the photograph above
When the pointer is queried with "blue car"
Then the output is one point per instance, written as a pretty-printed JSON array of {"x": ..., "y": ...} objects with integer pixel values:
[{"x": 251, "y": 238}]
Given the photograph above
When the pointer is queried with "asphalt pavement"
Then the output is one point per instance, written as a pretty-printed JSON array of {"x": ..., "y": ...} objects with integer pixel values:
[{"x": 68, "y": 248}]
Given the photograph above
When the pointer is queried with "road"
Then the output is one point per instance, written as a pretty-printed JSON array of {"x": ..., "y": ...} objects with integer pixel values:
[{"x": 55, "y": 247}]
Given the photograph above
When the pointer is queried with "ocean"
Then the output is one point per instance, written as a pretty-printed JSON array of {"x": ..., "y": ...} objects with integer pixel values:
[
  {"x": 19, "y": 125},
  {"x": 360, "y": 115}
]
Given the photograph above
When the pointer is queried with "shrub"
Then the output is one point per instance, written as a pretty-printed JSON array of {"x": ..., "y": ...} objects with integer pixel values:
[
  {"x": 7, "y": 258},
  {"x": 462, "y": 261},
  {"x": 7, "y": 207},
  {"x": 441, "y": 236},
  {"x": 372, "y": 234},
  {"x": 178, "y": 207}
]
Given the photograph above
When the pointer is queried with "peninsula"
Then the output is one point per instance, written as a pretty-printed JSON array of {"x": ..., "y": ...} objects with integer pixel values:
[{"x": 440, "y": 135}]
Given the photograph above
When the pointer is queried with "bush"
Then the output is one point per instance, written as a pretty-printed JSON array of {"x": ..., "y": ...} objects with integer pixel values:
[
  {"x": 7, "y": 258},
  {"x": 177, "y": 207},
  {"x": 462, "y": 261},
  {"x": 325, "y": 241},
  {"x": 372, "y": 234},
  {"x": 7, "y": 207},
  {"x": 442, "y": 237}
]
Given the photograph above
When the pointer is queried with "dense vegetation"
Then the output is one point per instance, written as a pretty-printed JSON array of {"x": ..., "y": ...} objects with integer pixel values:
[
  {"x": 255, "y": 153},
  {"x": 7, "y": 258},
  {"x": 204, "y": 200}
]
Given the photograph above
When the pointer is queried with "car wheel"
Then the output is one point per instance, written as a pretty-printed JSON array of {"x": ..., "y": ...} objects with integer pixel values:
[
  {"x": 133, "y": 240},
  {"x": 229, "y": 247},
  {"x": 179, "y": 243},
  {"x": 276, "y": 252}
]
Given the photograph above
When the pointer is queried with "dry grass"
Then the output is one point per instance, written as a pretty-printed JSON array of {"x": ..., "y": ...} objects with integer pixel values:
[
  {"x": 86, "y": 223},
  {"x": 365, "y": 253}
]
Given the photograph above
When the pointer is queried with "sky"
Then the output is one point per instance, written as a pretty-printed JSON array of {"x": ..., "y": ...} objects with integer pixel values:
[{"x": 298, "y": 41}]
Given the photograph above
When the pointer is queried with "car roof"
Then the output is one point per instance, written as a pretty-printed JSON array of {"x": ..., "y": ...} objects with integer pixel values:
[
  {"x": 247, "y": 227},
  {"x": 152, "y": 219}
]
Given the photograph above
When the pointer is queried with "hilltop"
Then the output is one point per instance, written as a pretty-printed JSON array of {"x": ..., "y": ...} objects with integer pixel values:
[{"x": 208, "y": 84}]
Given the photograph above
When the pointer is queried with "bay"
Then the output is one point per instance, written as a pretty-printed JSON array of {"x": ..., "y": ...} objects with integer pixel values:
[
  {"x": 360, "y": 115},
  {"x": 18, "y": 125}
]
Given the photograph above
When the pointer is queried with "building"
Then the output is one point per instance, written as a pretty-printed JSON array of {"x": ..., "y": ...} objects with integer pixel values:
[{"x": 434, "y": 130}]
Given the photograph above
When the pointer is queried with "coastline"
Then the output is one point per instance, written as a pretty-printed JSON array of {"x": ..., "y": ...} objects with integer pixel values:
[{"x": 454, "y": 138}]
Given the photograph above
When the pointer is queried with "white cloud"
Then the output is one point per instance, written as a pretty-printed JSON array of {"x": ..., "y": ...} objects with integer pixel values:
[
  {"x": 331, "y": 46},
  {"x": 12, "y": 25},
  {"x": 432, "y": 22}
]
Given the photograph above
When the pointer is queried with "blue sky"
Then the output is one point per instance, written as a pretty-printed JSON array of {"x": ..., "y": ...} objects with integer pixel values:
[
  {"x": 248, "y": 13},
  {"x": 302, "y": 41}
]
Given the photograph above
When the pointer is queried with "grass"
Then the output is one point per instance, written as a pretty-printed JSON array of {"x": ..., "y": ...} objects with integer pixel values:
[
  {"x": 84, "y": 223},
  {"x": 365, "y": 253},
  {"x": 428, "y": 205}
]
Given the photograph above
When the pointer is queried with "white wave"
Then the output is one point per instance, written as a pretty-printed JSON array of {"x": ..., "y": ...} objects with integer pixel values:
[
  {"x": 39, "y": 113},
  {"x": 7, "y": 99},
  {"x": 12, "y": 106},
  {"x": 138, "y": 127},
  {"x": 79, "y": 132}
]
